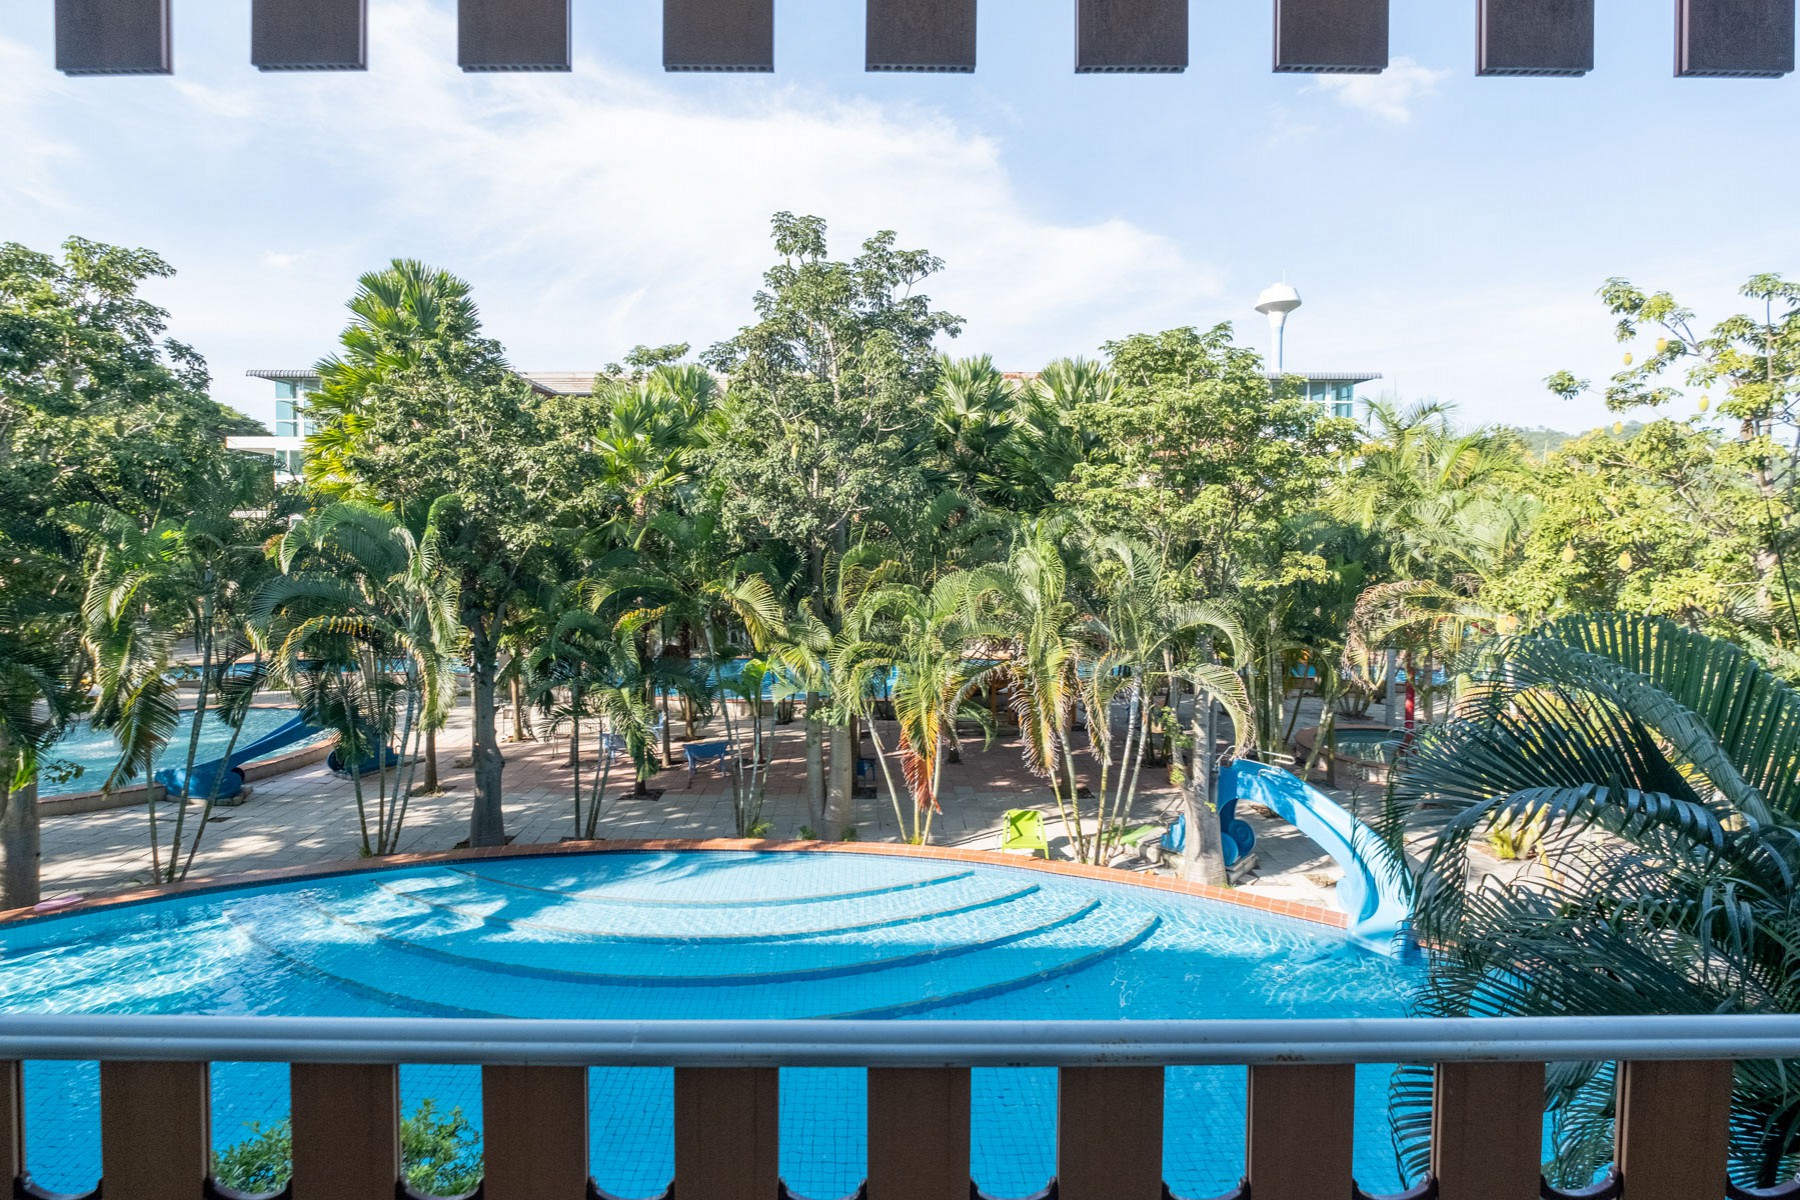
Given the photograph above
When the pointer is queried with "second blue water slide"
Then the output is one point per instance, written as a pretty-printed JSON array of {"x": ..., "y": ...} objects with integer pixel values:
[
  {"x": 1372, "y": 890},
  {"x": 229, "y": 772}
]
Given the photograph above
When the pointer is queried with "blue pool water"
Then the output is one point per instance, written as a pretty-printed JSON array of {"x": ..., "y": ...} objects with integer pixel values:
[
  {"x": 707, "y": 934},
  {"x": 94, "y": 752}
]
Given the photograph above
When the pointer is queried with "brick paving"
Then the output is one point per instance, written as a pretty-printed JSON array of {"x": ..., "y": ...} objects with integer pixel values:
[{"x": 308, "y": 816}]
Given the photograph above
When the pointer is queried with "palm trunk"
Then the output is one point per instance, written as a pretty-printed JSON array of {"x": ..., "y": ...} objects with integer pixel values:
[
  {"x": 403, "y": 769},
  {"x": 204, "y": 634},
  {"x": 487, "y": 815},
  {"x": 1046, "y": 737},
  {"x": 19, "y": 839},
  {"x": 667, "y": 757},
  {"x": 1083, "y": 845},
  {"x": 516, "y": 689},
  {"x": 602, "y": 773},
  {"x": 430, "y": 786},
  {"x": 212, "y": 798},
  {"x": 150, "y": 804},
  {"x": 575, "y": 747},
  {"x": 887, "y": 776},
  {"x": 840, "y": 801},
  {"x": 355, "y": 764},
  {"x": 1203, "y": 853},
  {"x": 815, "y": 764}
]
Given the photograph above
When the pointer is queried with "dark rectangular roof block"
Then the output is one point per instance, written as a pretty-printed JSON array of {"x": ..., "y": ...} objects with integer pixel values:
[
  {"x": 1742, "y": 39},
  {"x": 112, "y": 37},
  {"x": 718, "y": 35},
  {"x": 309, "y": 35},
  {"x": 1536, "y": 37},
  {"x": 1336, "y": 36},
  {"x": 920, "y": 35},
  {"x": 512, "y": 35},
  {"x": 1135, "y": 36}
]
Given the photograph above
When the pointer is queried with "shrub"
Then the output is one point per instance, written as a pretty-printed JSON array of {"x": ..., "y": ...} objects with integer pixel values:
[{"x": 441, "y": 1155}]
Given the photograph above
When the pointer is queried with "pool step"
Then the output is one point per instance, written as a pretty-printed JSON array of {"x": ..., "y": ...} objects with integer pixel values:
[
  {"x": 633, "y": 962},
  {"x": 537, "y": 913},
  {"x": 720, "y": 879},
  {"x": 357, "y": 959}
]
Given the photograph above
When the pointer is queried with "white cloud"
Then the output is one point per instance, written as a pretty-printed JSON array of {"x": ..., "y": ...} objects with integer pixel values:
[
  {"x": 1390, "y": 95},
  {"x": 29, "y": 153},
  {"x": 591, "y": 210}
]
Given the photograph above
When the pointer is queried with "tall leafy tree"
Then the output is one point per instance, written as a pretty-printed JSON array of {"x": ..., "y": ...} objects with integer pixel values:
[
  {"x": 1201, "y": 455},
  {"x": 1753, "y": 361},
  {"x": 97, "y": 408},
  {"x": 421, "y": 413},
  {"x": 822, "y": 423}
]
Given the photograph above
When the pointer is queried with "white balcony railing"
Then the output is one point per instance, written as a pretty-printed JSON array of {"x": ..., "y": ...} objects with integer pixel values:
[{"x": 1673, "y": 1107}]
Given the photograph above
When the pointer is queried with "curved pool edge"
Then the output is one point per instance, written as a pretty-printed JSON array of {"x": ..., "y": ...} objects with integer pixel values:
[{"x": 1312, "y": 914}]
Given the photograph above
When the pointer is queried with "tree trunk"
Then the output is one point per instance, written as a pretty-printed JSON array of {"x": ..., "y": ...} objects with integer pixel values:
[
  {"x": 667, "y": 755},
  {"x": 840, "y": 802},
  {"x": 487, "y": 815},
  {"x": 18, "y": 840},
  {"x": 431, "y": 786},
  {"x": 815, "y": 765},
  {"x": 517, "y": 689},
  {"x": 1203, "y": 854}
]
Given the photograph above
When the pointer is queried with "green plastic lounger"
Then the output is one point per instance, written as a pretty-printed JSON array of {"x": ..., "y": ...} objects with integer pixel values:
[{"x": 1024, "y": 830}]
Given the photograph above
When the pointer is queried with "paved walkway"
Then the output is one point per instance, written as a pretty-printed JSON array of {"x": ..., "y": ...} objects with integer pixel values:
[{"x": 309, "y": 816}]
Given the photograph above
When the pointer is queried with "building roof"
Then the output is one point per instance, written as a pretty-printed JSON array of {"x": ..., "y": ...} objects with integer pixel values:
[
  {"x": 1328, "y": 376},
  {"x": 547, "y": 383}
]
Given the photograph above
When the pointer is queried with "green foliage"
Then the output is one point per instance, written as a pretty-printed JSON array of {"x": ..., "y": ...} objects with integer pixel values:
[
  {"x": 1657, "y": 767},
  {"x": 1668, "y": 522},
  {"x": 1198, "y": 454},
  {"x": 441, "y": 1155},
  {"x": 421, "y": 414},
  {"x": 823, "y": 423}
]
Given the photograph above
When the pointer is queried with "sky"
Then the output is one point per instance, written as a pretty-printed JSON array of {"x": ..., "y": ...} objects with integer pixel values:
[{"x": 1446, "y": 230}]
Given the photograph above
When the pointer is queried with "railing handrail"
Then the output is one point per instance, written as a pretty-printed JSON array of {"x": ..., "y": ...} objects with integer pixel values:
[{"x": 827, "y": 1043}]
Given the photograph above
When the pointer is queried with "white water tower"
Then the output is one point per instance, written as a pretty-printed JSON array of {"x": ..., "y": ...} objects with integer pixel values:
[{"x": 1278, "y": 300}]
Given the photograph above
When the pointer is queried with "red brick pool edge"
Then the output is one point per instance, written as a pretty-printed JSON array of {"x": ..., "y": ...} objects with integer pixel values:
[{"x": 1243, "y": 899}]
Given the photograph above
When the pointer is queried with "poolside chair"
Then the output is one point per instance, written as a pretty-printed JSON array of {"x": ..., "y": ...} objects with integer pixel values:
[
  {"x": 1134, "y": 836},
  {"x": 698, "y": 753},
  {"x": 1024, "y": 830}
]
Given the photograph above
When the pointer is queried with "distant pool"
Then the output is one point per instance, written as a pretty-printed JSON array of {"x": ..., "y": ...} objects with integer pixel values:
[
  {"x": 709, "y": 934},
  {"x": 95, "y": 752}
]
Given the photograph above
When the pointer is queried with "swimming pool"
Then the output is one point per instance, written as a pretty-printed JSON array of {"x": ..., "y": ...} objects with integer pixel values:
[
  {"x": 709, "y": 934},
  {"x": 94, "y": 752}
]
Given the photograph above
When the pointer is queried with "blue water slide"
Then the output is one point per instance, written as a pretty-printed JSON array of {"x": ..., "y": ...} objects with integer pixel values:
[
  {"x": 385, "y": 757},
  {"x": 1372, "y": 890},
  {"x": 230, "y": 772}
]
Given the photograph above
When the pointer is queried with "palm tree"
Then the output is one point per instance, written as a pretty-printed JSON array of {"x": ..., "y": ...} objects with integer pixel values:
[
  {"x": 1675, "y": 754},
  {"x": 647, "y": 442},
  {"x": 131, "y": 645},
  {"x": 39, "y": 691},
  {"x": 578, "y": 658},
  {"x": 1049, "y": 439},
  {"x": 362, "y": 624},
  {"x": 144, "y": 585},
  {"x": 917, "y": 645},
  {"x": 1044, "y": 638},
  {"x": 1153, "y": 639},
  {"x": 971, "y": 419},
  {"x": 402, "y": 317}
]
